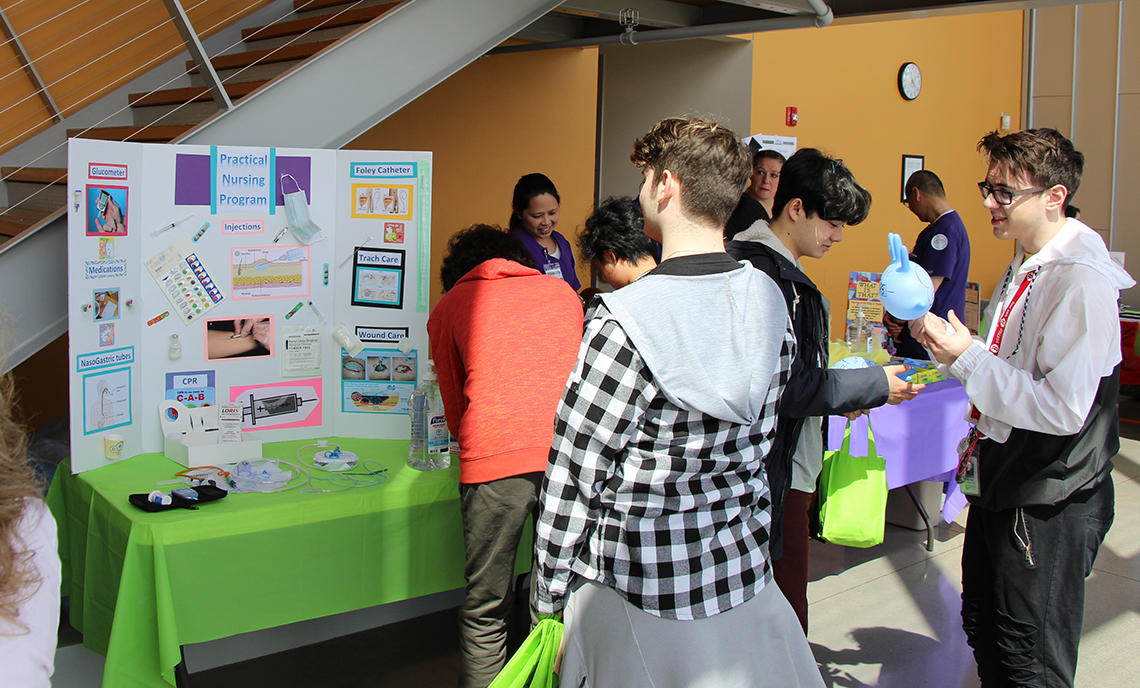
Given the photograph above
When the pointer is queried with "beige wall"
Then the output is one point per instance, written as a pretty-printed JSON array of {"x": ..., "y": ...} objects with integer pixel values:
[
  {"x": 706, "y": 77},
  {"x": 1085, "y": 82}
]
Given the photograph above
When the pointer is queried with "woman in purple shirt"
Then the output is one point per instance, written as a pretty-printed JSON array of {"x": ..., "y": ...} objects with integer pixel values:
[{"x": 533, "y": 219}]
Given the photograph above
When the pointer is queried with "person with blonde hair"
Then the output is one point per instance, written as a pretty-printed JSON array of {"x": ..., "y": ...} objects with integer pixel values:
[{"x": 29, "y": 561}]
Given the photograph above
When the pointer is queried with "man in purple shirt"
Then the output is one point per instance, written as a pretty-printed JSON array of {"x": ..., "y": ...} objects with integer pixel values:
[{"x": 942, "y": 249}]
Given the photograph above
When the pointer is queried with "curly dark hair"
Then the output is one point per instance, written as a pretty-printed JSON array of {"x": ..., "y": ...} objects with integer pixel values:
[
  {"x": 824, "y": 185},
  {"x": 476, "y": 244},
  {"x": 616, "y": 225}
]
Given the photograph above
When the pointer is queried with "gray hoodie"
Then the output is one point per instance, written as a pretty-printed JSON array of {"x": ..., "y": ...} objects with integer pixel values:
[{"x": 712, "y": 341}]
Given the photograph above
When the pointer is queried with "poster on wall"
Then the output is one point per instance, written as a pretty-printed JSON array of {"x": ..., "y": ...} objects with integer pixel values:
[
  {"x": 239, "y": 338},
  {"x": 202, "y": 233},
  {"x": 393, "y": 232},
  {"x": 184, "y": 281},
  {"x": 291, "y": 404},
  {"x": 378, "y": 278},
  {"x": 106, "y": 400},
  {"x": 106, "y": 210},
  {"x": 388, "y": 201},
  {"x": 243, "y": 178},
  {"x": 106, "y": 304},
  {"x": 381, "y": 334},
  {"x": 377, "y": 381},
  {"x": 269, "y": 272},
  {"x": 193, "y": 388}
]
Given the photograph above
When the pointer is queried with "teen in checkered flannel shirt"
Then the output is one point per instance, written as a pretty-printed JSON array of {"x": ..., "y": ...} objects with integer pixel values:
[{"x": 655, "y": 511}]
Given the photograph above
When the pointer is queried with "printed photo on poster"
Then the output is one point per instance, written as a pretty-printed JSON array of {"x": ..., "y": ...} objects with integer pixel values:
[
  {"x": 290, "y": 404},
  {"x": 106, "y": 304},
  {"x": 404, "y": 368},
  {"x": 378, "y": 278},
  {"x": 393, "y": 232},
  {"x": 383, "y": 200},
  {"x": 106, "y": 400},
  {"x": 269, "y": 272},
  {"x": 377, "y": 381},
  {"x": 248, "y": 337},
  {"x": 184, "y": 280},
  {"x": 106, "y": 210},
  {"x": 193, "y": 388},
  {"x": 107, "y": 335}
]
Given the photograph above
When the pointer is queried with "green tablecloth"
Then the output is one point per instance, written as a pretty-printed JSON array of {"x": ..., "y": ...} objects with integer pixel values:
[{"x": 144, "y": 584}]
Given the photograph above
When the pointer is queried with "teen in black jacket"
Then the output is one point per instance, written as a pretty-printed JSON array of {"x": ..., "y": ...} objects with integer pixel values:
[{"x": 817, "y": 196}]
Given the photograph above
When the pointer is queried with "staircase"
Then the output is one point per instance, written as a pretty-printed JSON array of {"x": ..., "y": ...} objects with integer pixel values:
[
  {"x": 163, "y": 116},
  {"x": 33, "y": 193},
  {"x": 428, "y": 40}
]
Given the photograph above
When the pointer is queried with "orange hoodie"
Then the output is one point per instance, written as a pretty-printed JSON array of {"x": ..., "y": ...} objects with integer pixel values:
[{"x": 504, "y": 340}]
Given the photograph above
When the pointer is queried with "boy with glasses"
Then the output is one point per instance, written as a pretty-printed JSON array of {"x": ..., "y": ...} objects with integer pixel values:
[{"x": 1042, "y": 388}]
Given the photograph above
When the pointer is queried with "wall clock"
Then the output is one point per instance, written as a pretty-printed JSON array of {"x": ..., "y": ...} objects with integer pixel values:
[{"x": 910, "y": 80}]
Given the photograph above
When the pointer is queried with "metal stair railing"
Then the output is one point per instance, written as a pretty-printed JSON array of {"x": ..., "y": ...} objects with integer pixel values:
[
  {"x": 429, "y": 39},
  {"x": 38, "y": 315}
]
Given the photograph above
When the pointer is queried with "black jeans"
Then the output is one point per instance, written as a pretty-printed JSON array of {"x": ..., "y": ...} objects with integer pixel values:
[{"x": 1023, "y": 586}]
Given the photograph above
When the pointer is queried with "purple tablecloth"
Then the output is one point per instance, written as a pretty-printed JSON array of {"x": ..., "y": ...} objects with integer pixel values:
[{"x": 918, "y": 439}]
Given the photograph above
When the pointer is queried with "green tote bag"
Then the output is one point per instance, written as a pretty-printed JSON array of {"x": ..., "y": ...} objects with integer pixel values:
[
  {"x": 853, "y": 495},
  {"x": 533, "y": 665}
]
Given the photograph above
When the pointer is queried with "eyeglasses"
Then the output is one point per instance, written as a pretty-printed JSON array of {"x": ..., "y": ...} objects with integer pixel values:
[{"x": 1005, "y": 196}]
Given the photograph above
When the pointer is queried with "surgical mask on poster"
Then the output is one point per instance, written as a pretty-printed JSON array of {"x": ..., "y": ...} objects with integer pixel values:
[{"x": 297, "y": 214}]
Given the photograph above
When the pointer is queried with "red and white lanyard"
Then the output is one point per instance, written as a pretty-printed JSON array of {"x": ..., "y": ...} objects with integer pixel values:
[{"x": 999, "y": 328}]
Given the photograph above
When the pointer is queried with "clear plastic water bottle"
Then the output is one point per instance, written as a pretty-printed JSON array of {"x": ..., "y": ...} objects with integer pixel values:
[{"x": 428, "y": 449}]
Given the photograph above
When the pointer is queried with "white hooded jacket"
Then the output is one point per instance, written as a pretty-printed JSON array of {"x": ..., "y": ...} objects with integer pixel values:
[{"x": 1060, "y": 339}]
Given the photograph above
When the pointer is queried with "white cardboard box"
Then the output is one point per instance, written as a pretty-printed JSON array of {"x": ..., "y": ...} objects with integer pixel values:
[{"x": 194, "y": 449}]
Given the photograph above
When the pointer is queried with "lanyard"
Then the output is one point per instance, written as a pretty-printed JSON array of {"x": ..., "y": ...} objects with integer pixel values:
[{"x": 999, "y": 329}]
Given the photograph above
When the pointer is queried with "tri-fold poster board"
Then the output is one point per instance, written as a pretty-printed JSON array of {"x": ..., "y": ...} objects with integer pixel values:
[{"x": 210, "y": 274}]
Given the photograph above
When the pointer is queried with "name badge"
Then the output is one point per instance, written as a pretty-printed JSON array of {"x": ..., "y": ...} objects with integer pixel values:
[
  {"x": 553, "y": 269},
  {"x": 968, "y": 475}
]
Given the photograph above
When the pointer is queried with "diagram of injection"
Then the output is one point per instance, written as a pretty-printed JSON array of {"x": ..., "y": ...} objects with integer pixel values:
[{"x": 283, "y": 407}]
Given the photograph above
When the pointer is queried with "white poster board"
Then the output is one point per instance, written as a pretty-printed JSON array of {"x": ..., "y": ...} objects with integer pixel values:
[{"x": 185, "y": 282}]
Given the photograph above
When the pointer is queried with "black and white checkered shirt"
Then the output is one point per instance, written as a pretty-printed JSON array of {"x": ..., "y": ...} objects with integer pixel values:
[{"x": 667, "y": 506}]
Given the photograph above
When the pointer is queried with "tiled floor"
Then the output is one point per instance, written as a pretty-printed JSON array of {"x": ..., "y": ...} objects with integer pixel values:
[{"x": 887, "y": 616}]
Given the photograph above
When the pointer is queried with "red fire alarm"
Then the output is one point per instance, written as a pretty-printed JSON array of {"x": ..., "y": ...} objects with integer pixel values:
[{"x": 793, "y": 116}]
